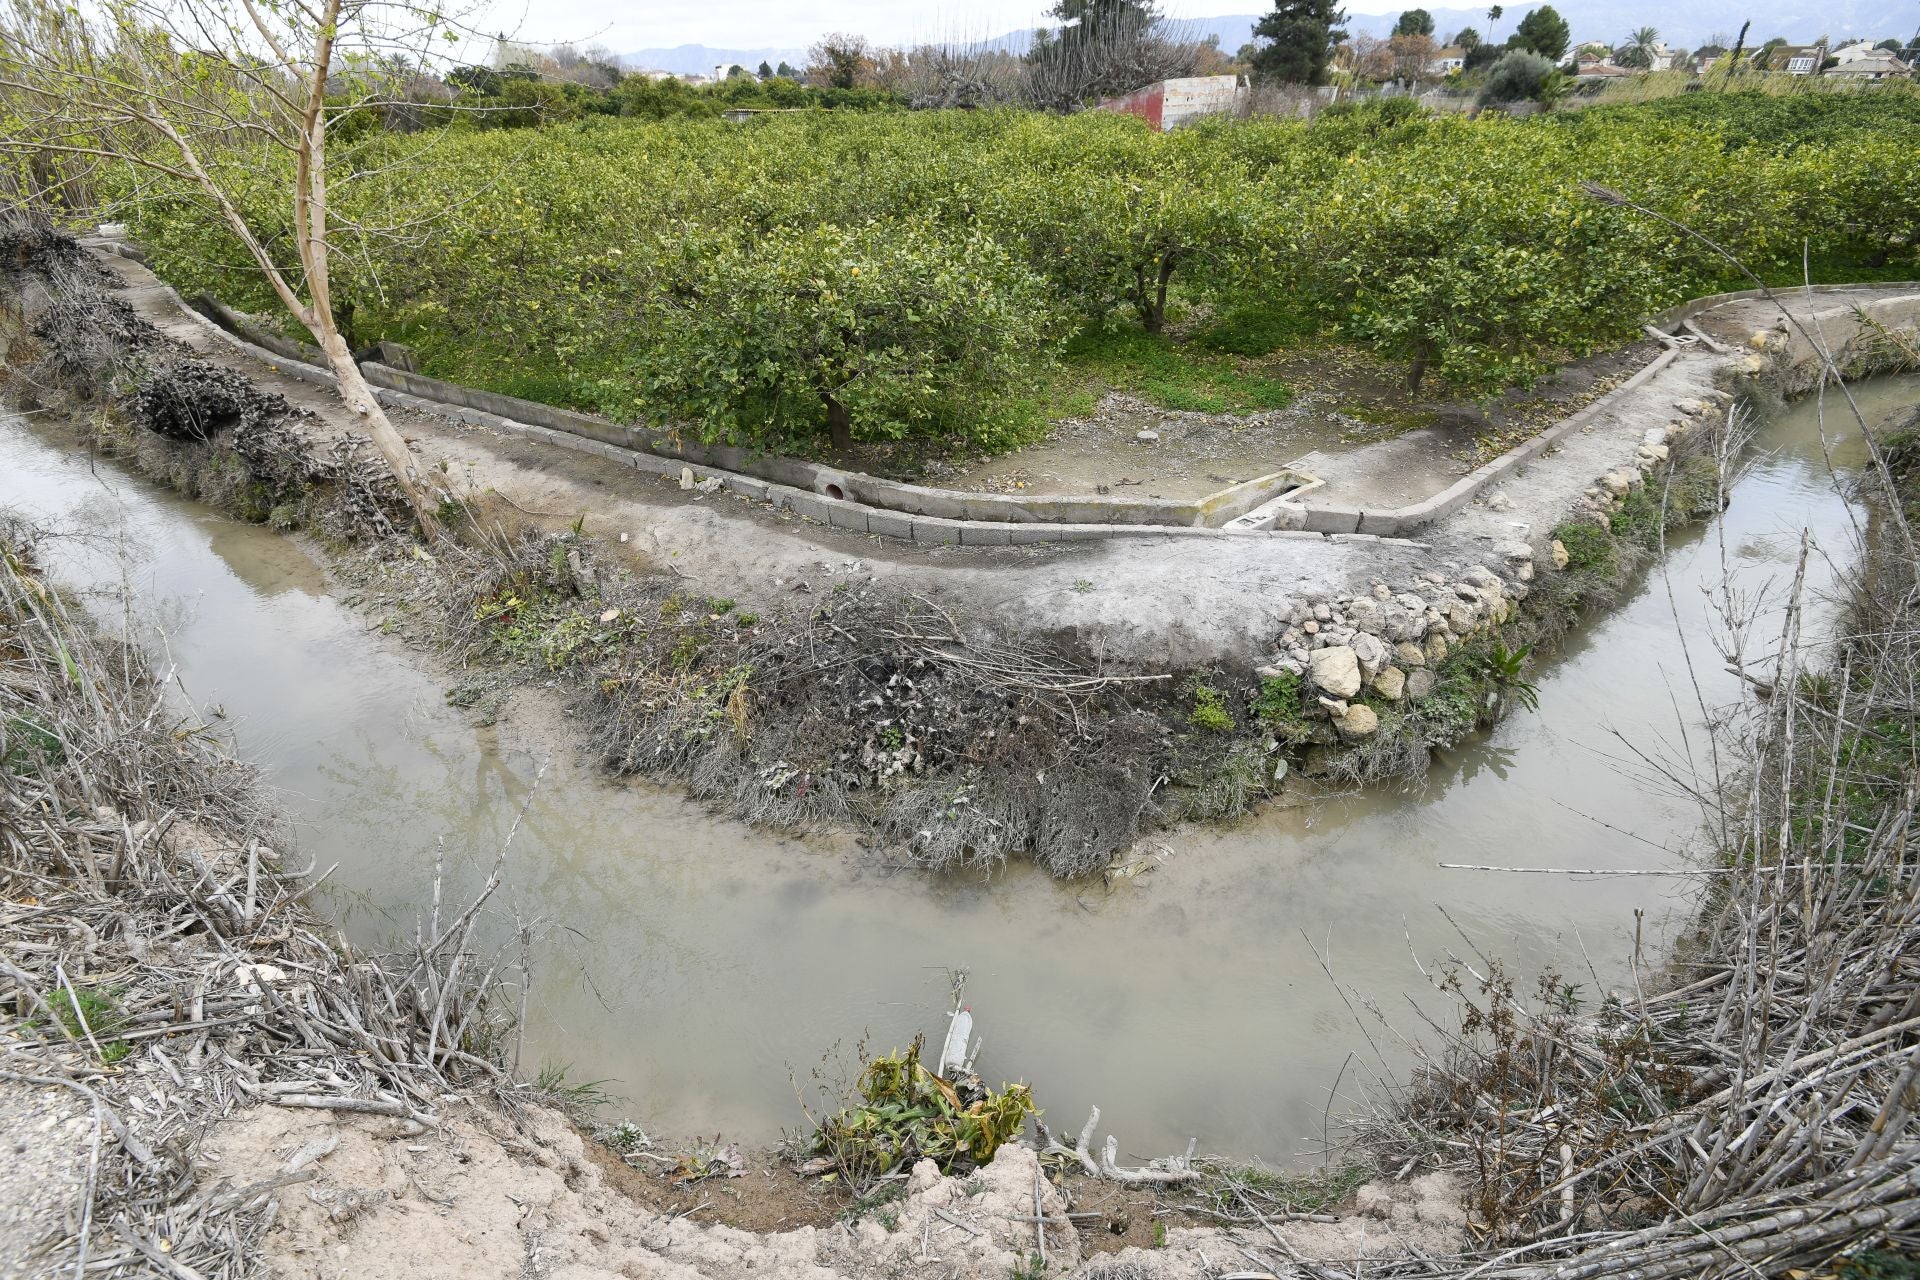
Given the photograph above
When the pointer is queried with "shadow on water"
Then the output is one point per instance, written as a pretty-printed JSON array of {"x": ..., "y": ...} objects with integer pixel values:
[{"x": 694, "y": 960}]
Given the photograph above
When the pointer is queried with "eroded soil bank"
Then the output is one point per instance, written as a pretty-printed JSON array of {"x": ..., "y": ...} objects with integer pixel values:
[{"x": 1097, "y": 992}]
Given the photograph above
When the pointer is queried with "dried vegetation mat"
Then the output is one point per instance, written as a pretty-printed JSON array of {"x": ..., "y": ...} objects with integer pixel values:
[
  {"x": 160, "y": 967},
  {"x": 1749, "y": 1109}
]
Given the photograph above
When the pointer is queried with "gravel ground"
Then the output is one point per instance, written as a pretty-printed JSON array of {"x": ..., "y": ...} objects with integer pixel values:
[{"x": 43, "y": 1166}]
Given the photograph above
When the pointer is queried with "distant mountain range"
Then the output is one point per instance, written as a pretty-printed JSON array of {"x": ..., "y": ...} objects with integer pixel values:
[{"x": 1683, "y": 26}]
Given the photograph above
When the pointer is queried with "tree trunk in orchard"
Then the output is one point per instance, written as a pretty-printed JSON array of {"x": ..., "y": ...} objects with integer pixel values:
[
  {"x": 365, "y": 407},
  {"x": 839, "y": 424}
]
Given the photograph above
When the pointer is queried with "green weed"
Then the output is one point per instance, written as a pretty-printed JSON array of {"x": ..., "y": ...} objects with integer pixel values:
[
  {"x": 1209, "y": 708},
  {"x": 1278, "y": 702},
  {"x": 1590, "y": 548},
  {"x": 95, "y": 1010},
  {"x": 29, "y": 744}
]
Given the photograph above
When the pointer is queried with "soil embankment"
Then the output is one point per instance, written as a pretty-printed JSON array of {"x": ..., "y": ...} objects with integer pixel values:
[
  {"x": 562, "y": 1220},
  {"x": 1149, "y": 680}
]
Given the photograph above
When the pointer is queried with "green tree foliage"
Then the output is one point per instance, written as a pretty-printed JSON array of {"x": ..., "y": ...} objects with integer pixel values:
[
  {"x": 866, "y": 333},
  {"x": 689, "y": 271},
  {"x": 1414, "y": 22},
  {"x": 1300, "y": 36},
  {"x": 1085, "y": 21},
  {"x": 786, "y": 72},
  {"x": 1466, "y": 38},
  {"x": 1638, "y": 51},
  {"x": 1543, "y": 31},
  {"x": 1518, "y": 77},
  {"x": 765, "y": 72}
]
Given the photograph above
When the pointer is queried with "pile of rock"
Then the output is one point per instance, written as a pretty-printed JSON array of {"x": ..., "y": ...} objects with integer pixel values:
[
  {"x": 1385, "y": 644},
  {"x": 1602, "y": 499}
]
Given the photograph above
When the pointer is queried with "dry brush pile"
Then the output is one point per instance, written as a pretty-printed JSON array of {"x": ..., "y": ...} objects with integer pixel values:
[
  {"x": 1748, "y": 1110},
  {"x": 68, "y": 342},
  {"x": 159, "y": 962},
  {"x": 856, "y": 706}
]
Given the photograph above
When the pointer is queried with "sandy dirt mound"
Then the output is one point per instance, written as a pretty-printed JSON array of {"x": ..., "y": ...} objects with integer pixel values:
[{"x": 483, "y": 1197}]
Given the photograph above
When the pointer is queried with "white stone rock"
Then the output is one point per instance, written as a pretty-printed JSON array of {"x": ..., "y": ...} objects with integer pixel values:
[
  {"x": 1359, "y": 722},
  {"x": 1410, "y": 655},
  {"x": 1390, "y": 683},
  {"x": 1371, "y": 652},
  {"x": 1559, "y": 554},
  {"x": 1336, "y": 670}
]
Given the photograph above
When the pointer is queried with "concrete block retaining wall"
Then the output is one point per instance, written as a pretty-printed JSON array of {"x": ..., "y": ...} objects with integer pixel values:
[
  {"x": 944, "y": 517},
  {"x": 893, "y": 509}
]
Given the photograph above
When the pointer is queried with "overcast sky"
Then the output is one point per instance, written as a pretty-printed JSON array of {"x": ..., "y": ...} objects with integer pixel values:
[{"x": 758, "y": 24}]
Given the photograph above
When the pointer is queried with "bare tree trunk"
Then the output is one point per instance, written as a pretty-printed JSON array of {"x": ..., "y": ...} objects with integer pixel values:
[
  {"x": 365, "y": 407},
  {"x": 839, "y": 423}
]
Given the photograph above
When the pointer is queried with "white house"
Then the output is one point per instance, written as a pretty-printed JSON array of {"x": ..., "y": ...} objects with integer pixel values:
[
  {"x": 1798, "y": 59},
  {"x": 1878, "y": 65}
]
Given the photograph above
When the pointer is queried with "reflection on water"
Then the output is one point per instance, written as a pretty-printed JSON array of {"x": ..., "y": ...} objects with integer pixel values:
[{"x": 695, "y": 962}]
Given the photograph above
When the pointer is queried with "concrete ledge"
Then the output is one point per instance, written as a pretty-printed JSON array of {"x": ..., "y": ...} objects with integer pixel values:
[
  {"x": 1333, "y": 519},
  {"x": 1673, "y": 317},
  {"x": 935, "y": 532},
  {"x": 869, "y": 504},
  {"x": 1396, "y": 520},
  {"x": 890, "y": 524},
  {"x": 984, "y": 533}
]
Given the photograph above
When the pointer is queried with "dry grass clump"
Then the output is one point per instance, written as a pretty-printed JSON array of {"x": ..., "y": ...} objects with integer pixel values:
[
  {"x": 1750, "y": 1110},
  {"x": 163, "y": 964}
]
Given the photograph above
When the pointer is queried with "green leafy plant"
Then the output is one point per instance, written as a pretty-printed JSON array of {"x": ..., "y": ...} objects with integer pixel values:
[
  {"x": 1278, "y": 702},
  {"x": 1209, "y": 707},
  {"x": 905, "y": 1113},
  {"x": 94, "y": 1011},
  {"x": 1504, "y": 669},
  {"x": 1589, "y": 548},
  {"x": 26, "y": 743}
]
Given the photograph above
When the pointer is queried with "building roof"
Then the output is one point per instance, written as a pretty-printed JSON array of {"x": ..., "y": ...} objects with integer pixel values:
[
  {"x": 1877, "y": 64},
  {"x": 1786, "y": 53}
]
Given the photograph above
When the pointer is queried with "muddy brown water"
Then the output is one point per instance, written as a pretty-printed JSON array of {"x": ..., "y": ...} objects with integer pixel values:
[{"x": 699, "y": 966}]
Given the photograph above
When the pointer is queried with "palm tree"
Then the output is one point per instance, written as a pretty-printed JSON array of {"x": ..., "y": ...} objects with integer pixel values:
[
  {"x": 1493, "y": 17},
  {"x": 1639, "y": 49}
]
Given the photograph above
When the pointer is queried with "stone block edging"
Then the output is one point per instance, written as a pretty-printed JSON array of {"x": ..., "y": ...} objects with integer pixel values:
[
  {"x": 838, "y": 513},
  {"x": 832, "y": 482},
  {"x": 884, "y": 508},
  {"x": 1678, "y": 315}
]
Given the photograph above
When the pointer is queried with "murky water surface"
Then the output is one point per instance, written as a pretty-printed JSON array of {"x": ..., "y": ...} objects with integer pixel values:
[{"x": 698, "y": 962}]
